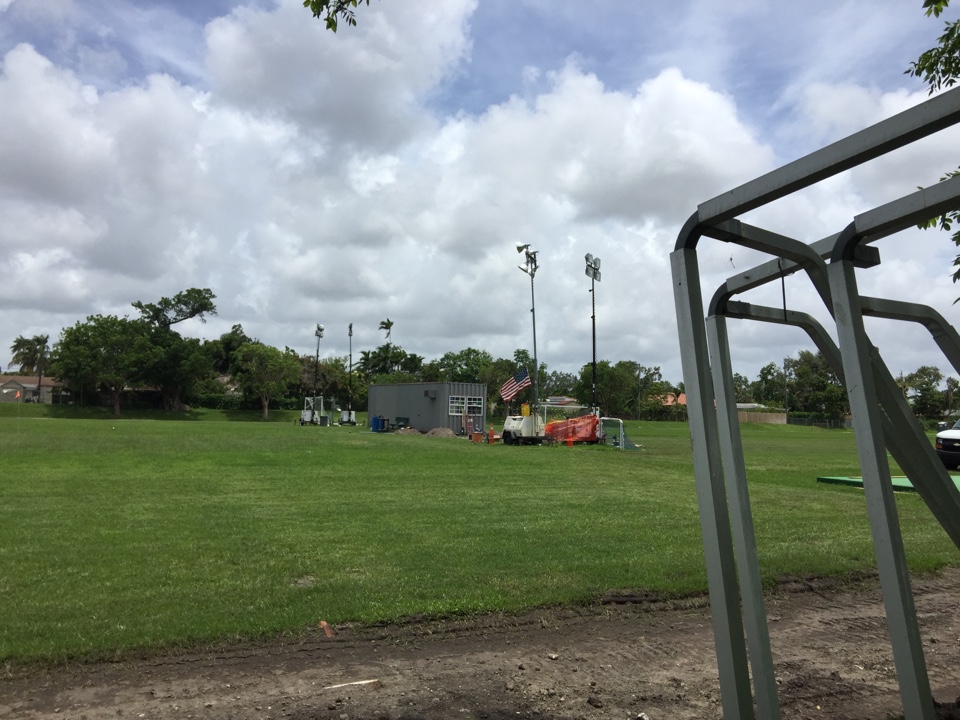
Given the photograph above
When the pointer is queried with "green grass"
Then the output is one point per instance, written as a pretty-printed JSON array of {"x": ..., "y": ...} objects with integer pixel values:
[{"x": 128, "y": 534}]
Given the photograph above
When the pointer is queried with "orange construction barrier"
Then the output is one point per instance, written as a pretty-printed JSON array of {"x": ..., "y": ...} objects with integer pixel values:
[{"x": 578, "y": 429}]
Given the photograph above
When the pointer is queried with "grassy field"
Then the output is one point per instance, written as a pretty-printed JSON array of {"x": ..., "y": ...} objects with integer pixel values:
[{"x": 140, "y": 533}]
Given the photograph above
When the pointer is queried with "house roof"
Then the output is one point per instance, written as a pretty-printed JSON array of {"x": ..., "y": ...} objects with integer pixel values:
[{"x": 29, "y": 381}]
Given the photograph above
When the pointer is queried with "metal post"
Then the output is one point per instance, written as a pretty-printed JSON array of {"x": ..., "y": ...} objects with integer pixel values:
[
  {"x": 593, "y": 272},
  {"x": 536, "y": 365},
  {"x": 719, "y": 554},
  {"x": 531, "y": 270},
  {"x": 316, "y": 373},
  {"x": 593, "y": 318},
  {"x": 350, "y": 375},
  {"x": 855, "y": 351}
]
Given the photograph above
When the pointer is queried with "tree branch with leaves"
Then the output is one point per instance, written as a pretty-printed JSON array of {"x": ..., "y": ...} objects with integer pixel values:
[
  {"x": 334, "y": 11},
  {"x": 939, "y": 68}
]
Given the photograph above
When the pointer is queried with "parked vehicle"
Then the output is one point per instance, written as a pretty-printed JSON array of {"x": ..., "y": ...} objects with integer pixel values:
[{"x": 948, "y": 446}]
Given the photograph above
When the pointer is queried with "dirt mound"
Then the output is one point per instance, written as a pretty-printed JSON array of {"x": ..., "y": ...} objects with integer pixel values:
[
  {"x": 408, "y": 431},
  {"x": 441, "y": 433}
]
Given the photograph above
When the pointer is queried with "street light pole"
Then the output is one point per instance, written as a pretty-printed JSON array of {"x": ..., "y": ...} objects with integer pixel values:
[
  {"x": 316, "y": 374},
  {"x": 350, "y": 377},
  {"x": 593, "y": 272},
  {"x": 531, "y": 270}
]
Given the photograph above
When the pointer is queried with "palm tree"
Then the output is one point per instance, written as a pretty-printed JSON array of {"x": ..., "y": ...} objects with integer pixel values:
[
  {"x": 33, "y": 356},
  {"x": 365, "y": 365},
  {"x": 388, "y": 326}
]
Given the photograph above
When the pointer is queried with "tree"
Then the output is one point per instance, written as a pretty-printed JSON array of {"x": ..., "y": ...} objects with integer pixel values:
[
  {"x": 813, "y": 386},
  {"x": 523, "y": 359},
  {"x": 180, "y": 363},
  {"x": 495, "y": 375},
  {"x": 387, "y": 360},
  {"x": 106, "y": 351},
  {"x": 193, "y": 302},
  {"x": 33, "y": 357},
  {"x": 264, "y": 371},
  {"x": 939, "y": 68},
  {"x": 769, "y": 387},
  {"x": 626, "y": 389},
  {"x": 466, "y": 366},
  {"x": 949, "y": 396},
  {"x": 558, "y": 383},
  {"x": 332, "y": 377},
  {"x": 334, "y": 11},
  {"x": 923, "y": 392},
  {"x": 741, "y": 388},
  {"x": 386, "y": 325},
  {"x": 223, "y": 350},
  {"x": 652, "y": 391}
]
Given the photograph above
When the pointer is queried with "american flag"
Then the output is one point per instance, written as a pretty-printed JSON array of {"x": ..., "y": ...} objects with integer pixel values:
[{"x": 509, "y": 390}]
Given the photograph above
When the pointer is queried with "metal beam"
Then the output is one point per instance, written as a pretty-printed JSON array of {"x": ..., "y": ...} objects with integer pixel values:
[
  {"x": 718, "y": 549},
  {"x": 895, "y": 132},
  {"x": 902, "y": 434},
  {"x": 947, "y": 339},
  {"x": 741, "y": 522},
  {"x": 897, "y": 215},
  {"x": 902, "y": 624}
]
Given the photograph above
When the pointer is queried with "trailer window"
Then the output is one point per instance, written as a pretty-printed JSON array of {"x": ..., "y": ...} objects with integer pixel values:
[{"x": 460, "y": 405}]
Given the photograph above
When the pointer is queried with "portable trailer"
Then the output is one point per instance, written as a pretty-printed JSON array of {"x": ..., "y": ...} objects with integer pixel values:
[
  {"x": 313, "y": 412},
  {"x": 532, "y": 426}
]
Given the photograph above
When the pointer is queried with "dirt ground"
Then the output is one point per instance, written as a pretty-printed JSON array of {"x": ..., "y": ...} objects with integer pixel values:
[{"x": 626, "y": 657}]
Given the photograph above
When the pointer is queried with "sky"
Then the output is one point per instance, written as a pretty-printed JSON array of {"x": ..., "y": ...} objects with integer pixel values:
[{"x": 390, "y": 170}]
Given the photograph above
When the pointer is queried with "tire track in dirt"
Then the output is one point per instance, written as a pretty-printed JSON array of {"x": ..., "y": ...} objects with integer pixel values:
[{"x": 619, "y": 660}]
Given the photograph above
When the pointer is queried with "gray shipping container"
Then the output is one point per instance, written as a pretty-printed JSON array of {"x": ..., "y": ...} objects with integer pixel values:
[{"x": 462, "y": 407}]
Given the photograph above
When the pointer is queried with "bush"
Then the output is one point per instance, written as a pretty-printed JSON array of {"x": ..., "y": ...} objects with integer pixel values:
[{"x": 221, "y": 401}]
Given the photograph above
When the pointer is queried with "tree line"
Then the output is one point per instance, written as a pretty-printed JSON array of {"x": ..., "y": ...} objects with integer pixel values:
[
  {"x": 101, "y": 358},
  {"x": 806, "y": 386}
]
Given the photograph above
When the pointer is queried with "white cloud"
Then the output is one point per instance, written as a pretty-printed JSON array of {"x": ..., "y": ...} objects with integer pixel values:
[{"x": 306, "y": 177}]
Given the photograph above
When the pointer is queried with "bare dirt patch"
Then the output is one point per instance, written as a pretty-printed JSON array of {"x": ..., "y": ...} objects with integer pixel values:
[{"x": 629, "y": 655}]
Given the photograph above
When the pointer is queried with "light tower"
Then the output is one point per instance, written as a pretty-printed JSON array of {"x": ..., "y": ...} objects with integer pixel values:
[
  {"x": 531, "y": 269},
  {"x": 593, "y": 272},
  {"x": 316, "y": 373},
  {"x": 350, "y": 375}
]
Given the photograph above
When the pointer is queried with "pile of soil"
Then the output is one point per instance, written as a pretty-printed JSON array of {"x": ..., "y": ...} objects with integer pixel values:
[
  {"x": 408, "y": 431},
  {"x": 441, "y": 433},
  {"x": 627, "y": 656}
]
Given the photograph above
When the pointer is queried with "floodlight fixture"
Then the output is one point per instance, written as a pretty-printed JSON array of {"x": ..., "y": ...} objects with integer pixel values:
[
  {"x": 521, "y": 247},
  {"x": 592, "y": 270},
  {"x": 319, "y": 332}
]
